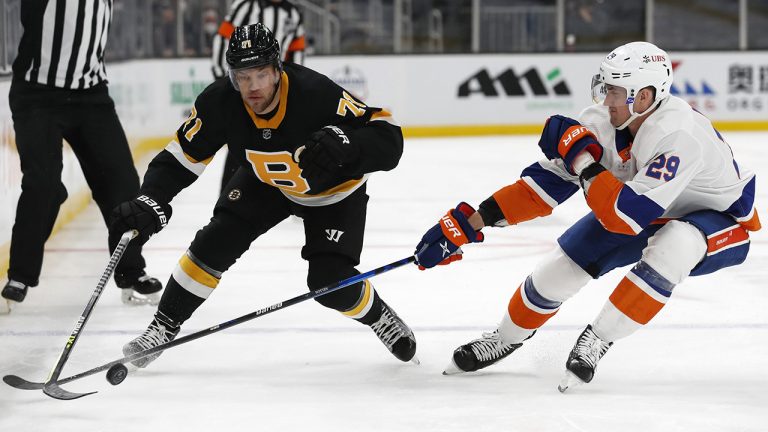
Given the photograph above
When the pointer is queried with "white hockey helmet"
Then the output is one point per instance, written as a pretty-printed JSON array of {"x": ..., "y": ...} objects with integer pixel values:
[{"x": 632, "y": 67}]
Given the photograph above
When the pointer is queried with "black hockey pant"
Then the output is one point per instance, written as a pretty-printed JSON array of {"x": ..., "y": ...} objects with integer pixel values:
[{"x": 42, "y": 117}]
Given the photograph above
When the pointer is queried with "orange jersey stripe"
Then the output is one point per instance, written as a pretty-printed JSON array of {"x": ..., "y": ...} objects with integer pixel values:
[
  {"x": 226, "y": 29},
  {"x": 522, "y": 315},
  {"x": 297, "y": 44},
  {"x": 602, "y": 197},
  {"x": 716, "y": 242},
  {"x": 753, "y": 224},
  {"x": 520, "y": 203},
  {"x": 633, "y": 302}
]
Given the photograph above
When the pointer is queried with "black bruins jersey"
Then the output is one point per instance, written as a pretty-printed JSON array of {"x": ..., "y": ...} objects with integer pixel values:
[{"x": 308, "y": 102}]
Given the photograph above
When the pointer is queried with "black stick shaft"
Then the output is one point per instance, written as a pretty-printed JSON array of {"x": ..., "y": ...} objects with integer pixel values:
[
  {"x": 80, "y": 324},
  {"x": 239, "y": 320}
]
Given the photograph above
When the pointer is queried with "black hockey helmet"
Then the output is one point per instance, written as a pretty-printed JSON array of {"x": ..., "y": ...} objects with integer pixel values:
[{"x": 253, "y": 45}]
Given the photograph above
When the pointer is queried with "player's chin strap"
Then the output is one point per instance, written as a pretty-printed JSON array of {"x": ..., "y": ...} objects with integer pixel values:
[{"x": 635, "y": 115}]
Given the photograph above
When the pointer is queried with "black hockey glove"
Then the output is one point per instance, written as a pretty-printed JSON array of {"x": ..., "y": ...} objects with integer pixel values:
[
  {"x": 325, "y": 154},
  {"x": 144, "y": 214}
]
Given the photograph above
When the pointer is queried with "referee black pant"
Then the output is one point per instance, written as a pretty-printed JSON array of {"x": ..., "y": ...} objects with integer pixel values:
[{"x": 86, "y": 119}]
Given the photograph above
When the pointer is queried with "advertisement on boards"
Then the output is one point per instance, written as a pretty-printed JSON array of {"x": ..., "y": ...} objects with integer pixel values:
[
  {"x": 446, "y": 91},
  {"x": 467, "y": 89}
]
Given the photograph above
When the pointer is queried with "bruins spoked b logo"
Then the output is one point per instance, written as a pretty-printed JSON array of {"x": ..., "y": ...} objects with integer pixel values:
[{"x": 234, "y": 195}]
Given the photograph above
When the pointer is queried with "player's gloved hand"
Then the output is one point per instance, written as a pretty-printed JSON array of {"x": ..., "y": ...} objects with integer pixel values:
[
  {"x": 326, "y": 153},
  {"x": 441, "y": 245},
  {"x": 565, "y": 138},
  {"x": 144, "y": 214}
]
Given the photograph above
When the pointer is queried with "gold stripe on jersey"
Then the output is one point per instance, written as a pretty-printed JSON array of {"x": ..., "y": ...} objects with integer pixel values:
[
  {"x": 328, "y": 197},
  {"x": 364, "y": 304},
  {"x": 275, "y": 121},
  {"x": 383, "y": 115},
  {"x": 194, "y": 278},
  {"x": 344, "y": 187},
  {"x": 186, "y": 160}
]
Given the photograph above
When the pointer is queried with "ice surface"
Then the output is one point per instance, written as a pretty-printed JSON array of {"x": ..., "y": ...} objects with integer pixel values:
[{"x": 699, "y": 366}]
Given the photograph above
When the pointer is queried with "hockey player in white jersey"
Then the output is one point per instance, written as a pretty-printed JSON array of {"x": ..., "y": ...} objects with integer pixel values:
[{"x": 666, "y": 195}]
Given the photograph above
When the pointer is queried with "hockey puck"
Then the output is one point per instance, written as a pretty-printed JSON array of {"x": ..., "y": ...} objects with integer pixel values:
[{"x": 117, "y": 373}]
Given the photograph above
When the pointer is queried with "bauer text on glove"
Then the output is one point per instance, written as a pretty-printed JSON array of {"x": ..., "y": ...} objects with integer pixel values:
[
  {"x": 565, "y": 138},
  {"x": 144, "y": 214},
  {"x": 441, "y": 245}
]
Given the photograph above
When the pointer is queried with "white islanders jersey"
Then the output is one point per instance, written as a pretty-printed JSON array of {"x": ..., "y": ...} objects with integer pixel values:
[{"x": 675, "y": 165}]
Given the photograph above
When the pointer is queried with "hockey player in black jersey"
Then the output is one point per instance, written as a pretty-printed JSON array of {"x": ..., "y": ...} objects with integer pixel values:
[{"x": 306, "y": 147}]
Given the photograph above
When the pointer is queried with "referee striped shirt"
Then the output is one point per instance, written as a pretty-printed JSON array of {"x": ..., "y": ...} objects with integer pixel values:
[
  {"x": 63, "y": 42},
  {"x": 281, "y": 17}
]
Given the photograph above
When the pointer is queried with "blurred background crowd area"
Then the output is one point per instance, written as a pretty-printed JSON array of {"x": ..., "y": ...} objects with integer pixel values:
[{"x": 185, "y": 28}]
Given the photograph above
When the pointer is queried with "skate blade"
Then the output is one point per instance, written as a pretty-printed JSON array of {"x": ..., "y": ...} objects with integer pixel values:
[
  {"x": 452, "y": 369},
  {"x": 6, "y": 306},
  {"x": 133, "y": 298},
  {"x": 569, "y": 381},
  {"x": 415, "y": 360}
]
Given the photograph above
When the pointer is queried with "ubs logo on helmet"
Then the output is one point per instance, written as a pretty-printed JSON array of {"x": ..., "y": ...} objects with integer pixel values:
[
  {"x": 654, "y": 58},
  {"x": 245, "y": 44}
]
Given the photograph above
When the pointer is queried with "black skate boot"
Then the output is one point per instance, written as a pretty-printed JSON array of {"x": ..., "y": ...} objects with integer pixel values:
[
  {"x": 481, "y": 353},
  {"x": 395, "y": 335},
  {"x": 140, "y": 290},
  {"x": 582, "y": 362},
  {"x": 15, "y": 291},
  {"x": 161, "y": 330}
]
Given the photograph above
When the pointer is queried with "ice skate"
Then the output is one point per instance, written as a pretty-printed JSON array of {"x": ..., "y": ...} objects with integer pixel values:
[
  {"x": 13, "y": 293},
  {"x": 139, "y": 291},
  {"x": 161, "y": 330},
  {"x": 583, "y": 359},
  {"x": 480, "y": 353},
  {"x": 395, "y": 335}
]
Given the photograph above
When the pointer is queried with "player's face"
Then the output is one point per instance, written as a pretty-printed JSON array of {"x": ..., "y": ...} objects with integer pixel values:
[
  {"x": 258, "y": 87},
  {"x": 616, "y": 101}
]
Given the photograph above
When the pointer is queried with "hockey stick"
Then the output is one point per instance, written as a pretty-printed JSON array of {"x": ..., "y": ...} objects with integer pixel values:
[
  {"x": 62, "y": 394},
  {"x": 50, "y": 386}
]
